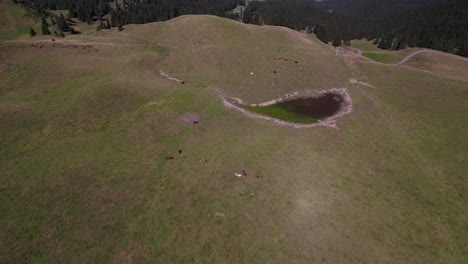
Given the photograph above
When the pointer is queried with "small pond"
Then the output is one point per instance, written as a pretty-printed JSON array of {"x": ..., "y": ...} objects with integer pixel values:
[{"x": 303, "y": 110}]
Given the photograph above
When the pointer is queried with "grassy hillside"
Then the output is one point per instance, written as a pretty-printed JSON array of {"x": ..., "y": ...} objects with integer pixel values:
[
  {"x": 371, "y": 51},
  {"x": 86, "y": 124},
  {"x": 218, "y": 52},
  {"x": 442, "y": 64},
  {"x": 15, "y": 22}
]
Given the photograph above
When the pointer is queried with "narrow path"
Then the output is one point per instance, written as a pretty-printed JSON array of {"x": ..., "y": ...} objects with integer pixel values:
[
  {"x": 78, "y": 42},
  {"x": 410, "y": 56},
  {"x": 358, "y": 51},
  {"x": 407, "y": 58}
]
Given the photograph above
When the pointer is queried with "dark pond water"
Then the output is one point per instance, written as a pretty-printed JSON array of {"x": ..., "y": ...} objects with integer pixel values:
[{"x": 320, "y": 107}]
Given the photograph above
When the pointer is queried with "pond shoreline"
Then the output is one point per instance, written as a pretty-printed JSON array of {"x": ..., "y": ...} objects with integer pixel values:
[{"x": 346, "y": 107}]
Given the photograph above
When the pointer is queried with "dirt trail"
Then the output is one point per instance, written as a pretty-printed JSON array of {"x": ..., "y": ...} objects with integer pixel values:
[
  {"x": 407, "y": 58},
  {"x": 410, "y": 56},
  {"x": 358, "y": 51},
  {"x": 77, "y": 42}
]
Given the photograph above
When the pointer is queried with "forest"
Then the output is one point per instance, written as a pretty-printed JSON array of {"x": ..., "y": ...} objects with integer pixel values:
[
  {"x": 374, "y": 8},
  {"x": 442, "y": 25},
  {"x": 436, "y": 24}
]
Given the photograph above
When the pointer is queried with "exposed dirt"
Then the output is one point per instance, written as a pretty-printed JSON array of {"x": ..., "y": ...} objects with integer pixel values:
[
  {"x": 190, "y": 118},
  {"x": 167, "y": 76}
]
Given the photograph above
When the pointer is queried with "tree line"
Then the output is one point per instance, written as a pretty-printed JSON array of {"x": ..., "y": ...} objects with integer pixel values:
[
  {"x": 131, "y": 11},
  {"x": 442, "y": 25}
]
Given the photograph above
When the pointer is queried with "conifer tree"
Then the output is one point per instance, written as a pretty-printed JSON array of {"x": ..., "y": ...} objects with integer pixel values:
[
  {"x": 336, "y": 43},
  {"x": 32, "y": 32},
  {"x": 321, "y": 33},
  {"x": 386, "y": 42},
  {"x": 62, "y": 23},
  {"x": 45, "y": 28},
  {"x": 73, "y": 31},
  {"x": 400, "y": 45}
]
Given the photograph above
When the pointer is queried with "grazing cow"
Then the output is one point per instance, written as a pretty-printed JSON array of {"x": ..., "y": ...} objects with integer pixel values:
[
  {"x": 195, "y": 122},
  {"x": 180, "y": 151},
  {"x": 274, "y": 71},
  {"x": 245, "y": 173},
  {"x": 237, "y": 174},
  {"x": 169, "y": 157}
]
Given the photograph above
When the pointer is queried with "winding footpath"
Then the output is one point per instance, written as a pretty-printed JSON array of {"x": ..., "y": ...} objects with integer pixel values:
[
  {"x": 410, "y": 56},
  {"x": 407, "y": 58}
]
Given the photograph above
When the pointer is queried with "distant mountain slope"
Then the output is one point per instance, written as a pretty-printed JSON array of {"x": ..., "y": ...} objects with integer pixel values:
[{"x": 374, "y": 8}]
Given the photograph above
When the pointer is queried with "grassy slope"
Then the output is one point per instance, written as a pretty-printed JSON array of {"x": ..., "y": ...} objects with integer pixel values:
[
  {"x": 450, "y": 66},
  {"x": 84, "y": 134},
  {"x": 371, "y": 51},
  {"x": 233, "y": 50},
  {"x": 82, "y": 27},
  {"x": 15, "y": 21}
]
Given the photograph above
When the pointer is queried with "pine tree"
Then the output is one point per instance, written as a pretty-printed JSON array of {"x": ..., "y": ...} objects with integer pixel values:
[
  {"x": 45, "y": 28},
  {"x": 62, "y": 23},
  {"x": 336, "y": 43},
  {"x": 386, "y": 42},
  {"x": 44, "y": 21},
  {"x": 32, "y": 32},
  {"x": 400, "y": 45},
  {"x": 73, "y": 31},
  {"x": 321, "y": 33},
  {"x": 69, "y": 19},
  {"x": 120, "y": 27},
  {"x": 72, "y": 12}
]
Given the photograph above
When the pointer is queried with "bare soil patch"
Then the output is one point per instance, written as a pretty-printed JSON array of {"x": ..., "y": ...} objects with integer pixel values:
[{"x": 191, "y": 118}]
